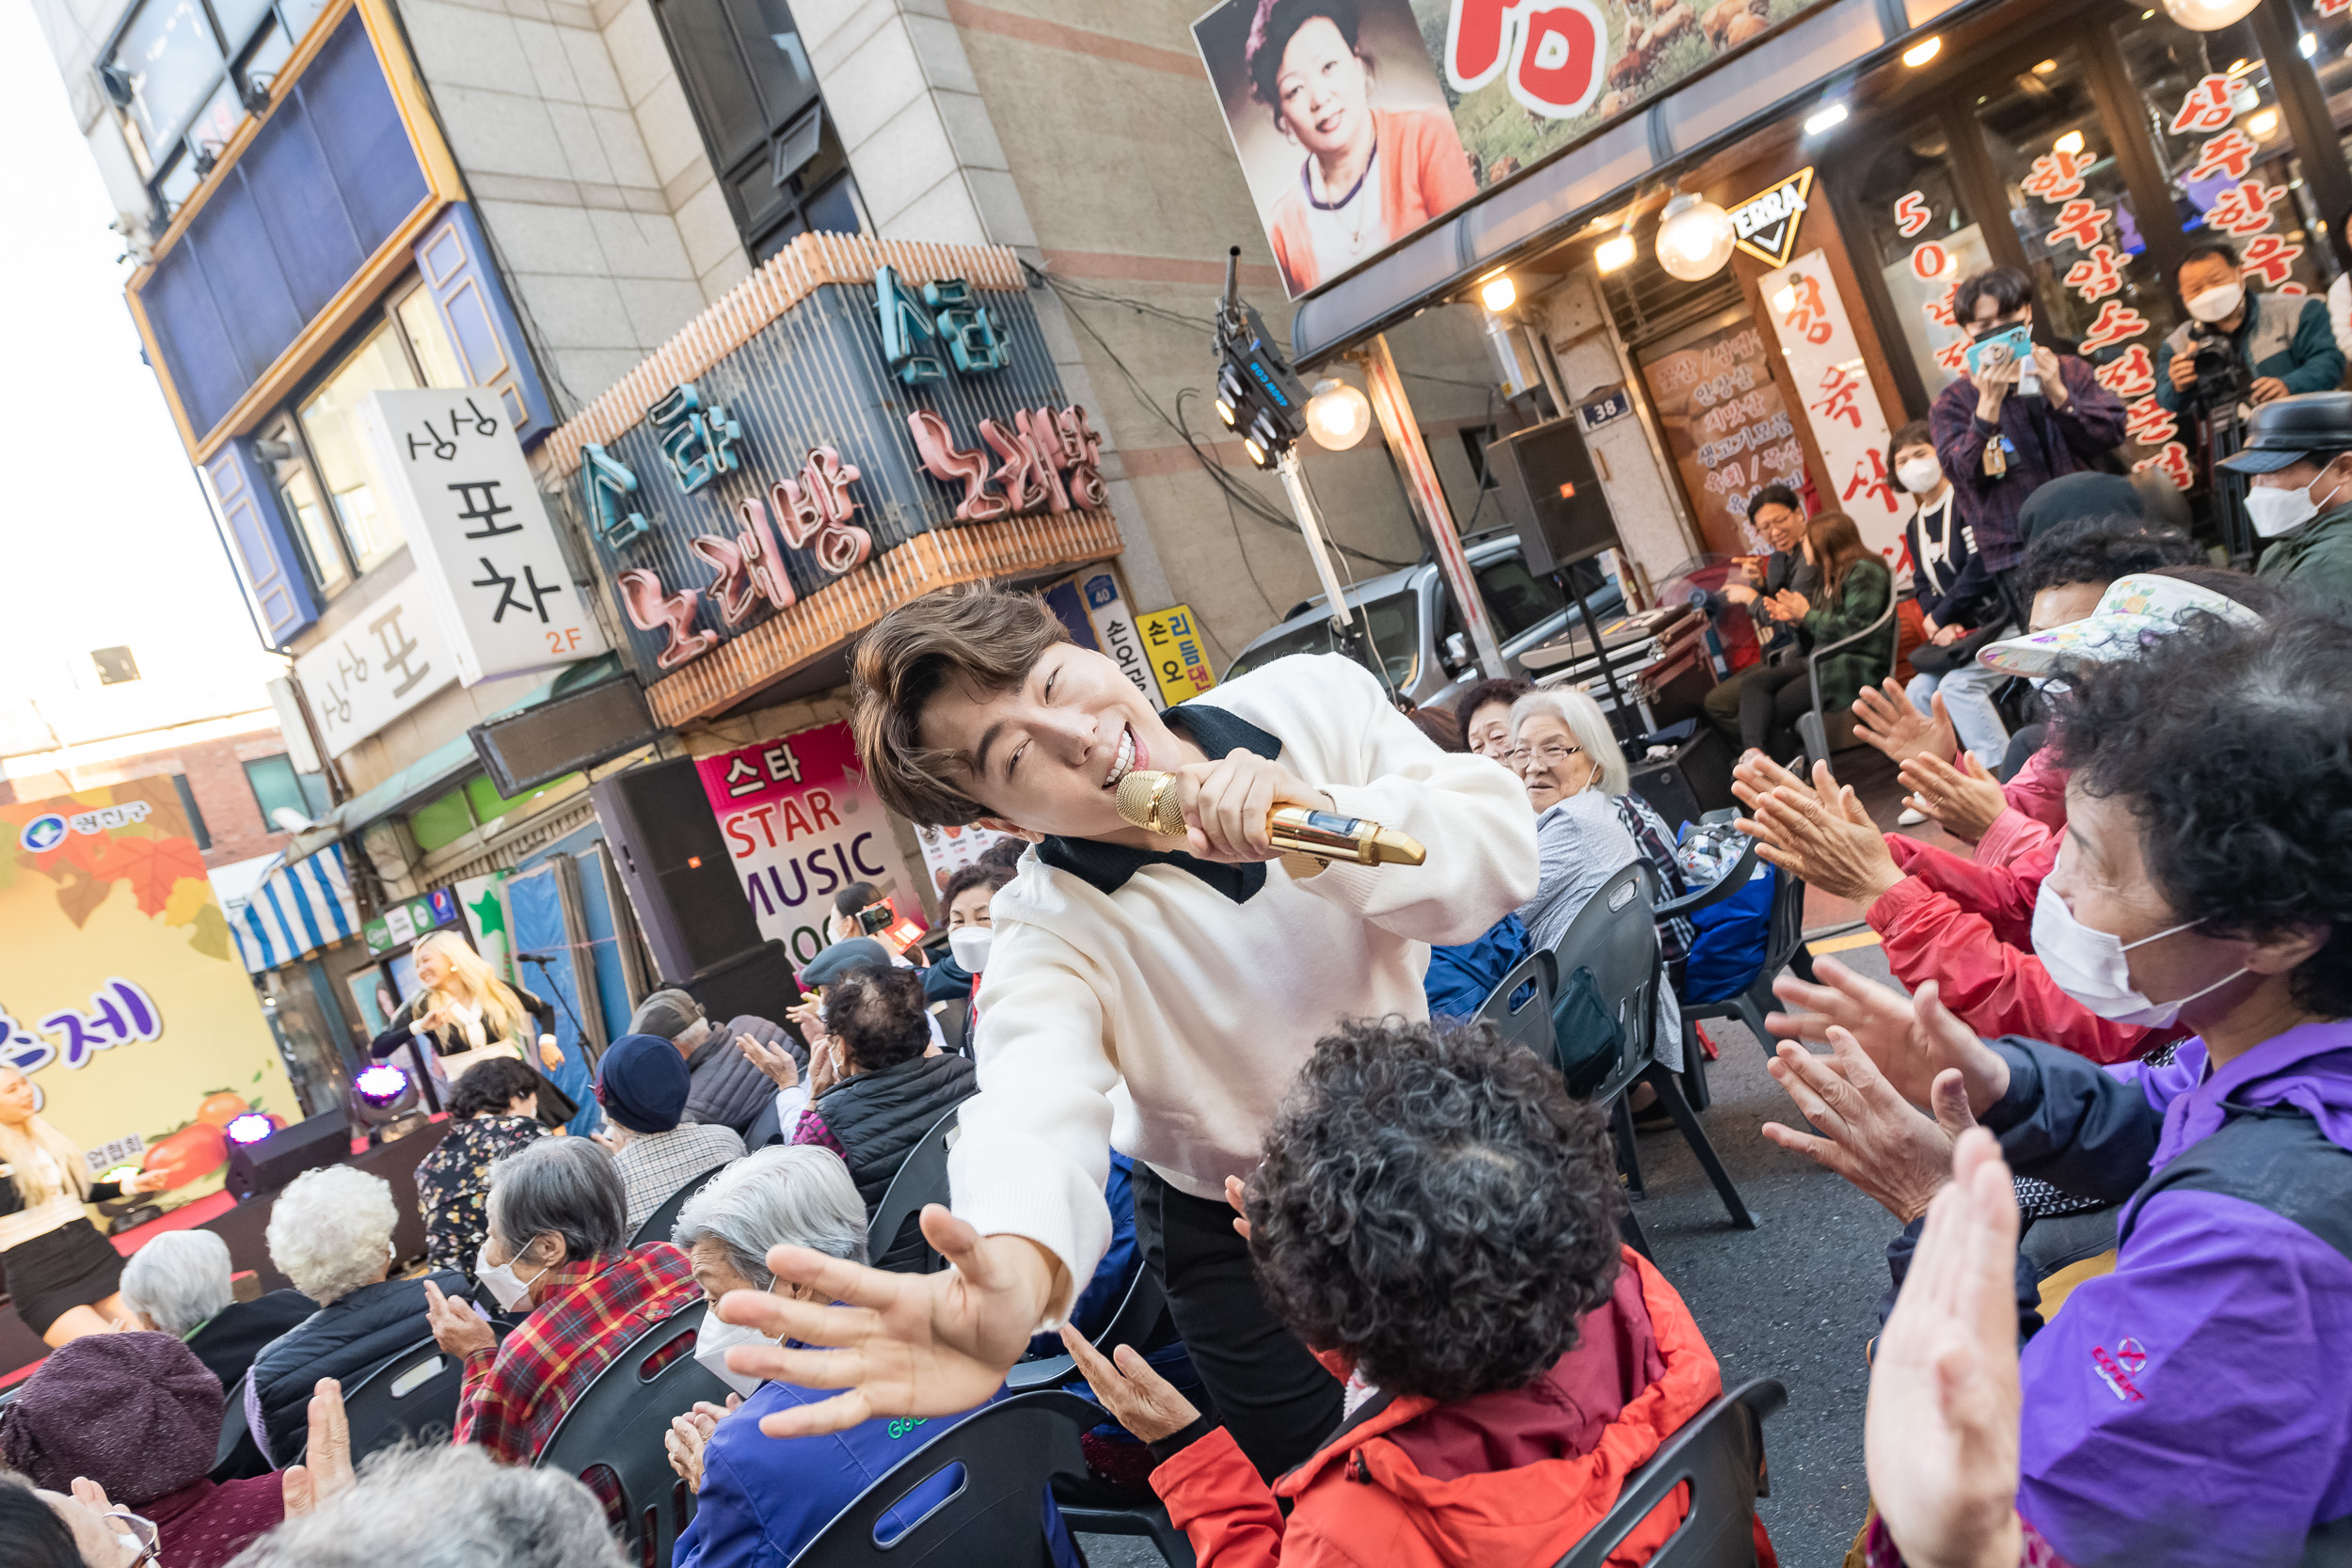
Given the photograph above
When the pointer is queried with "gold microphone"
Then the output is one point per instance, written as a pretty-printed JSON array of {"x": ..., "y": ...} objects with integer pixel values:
[{"x": 1149, "y": 800}]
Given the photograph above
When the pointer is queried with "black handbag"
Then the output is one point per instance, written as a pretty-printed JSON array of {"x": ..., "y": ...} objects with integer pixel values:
[
  {"x": 1586, "y": 1040},
  {"x": 1931, "y": 660}
]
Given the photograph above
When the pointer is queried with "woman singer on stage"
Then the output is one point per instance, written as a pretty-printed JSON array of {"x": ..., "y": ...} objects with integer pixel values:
[
  {"x": 465, "y": 1014},
  {"x": 61, "y": 1273}
]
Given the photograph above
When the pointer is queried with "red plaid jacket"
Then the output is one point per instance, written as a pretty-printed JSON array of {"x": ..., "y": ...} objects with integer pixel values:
[{"x": 518, "y": 1391}]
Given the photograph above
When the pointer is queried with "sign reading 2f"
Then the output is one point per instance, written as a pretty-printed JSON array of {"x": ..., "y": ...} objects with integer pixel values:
[{"x": 1554, "y": 51}]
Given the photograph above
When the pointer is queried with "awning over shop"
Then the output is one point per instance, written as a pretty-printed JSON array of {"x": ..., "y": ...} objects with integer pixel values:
[
  {"x": 1707, "y": 111},
  {"x": 298, "y": 908}
]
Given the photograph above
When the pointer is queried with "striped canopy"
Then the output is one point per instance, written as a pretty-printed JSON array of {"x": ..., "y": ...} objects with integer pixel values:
[{"x": 296, "y": 910}]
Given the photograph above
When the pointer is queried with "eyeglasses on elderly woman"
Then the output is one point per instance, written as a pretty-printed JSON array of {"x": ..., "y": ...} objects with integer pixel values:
[{"x": 1550, "y": 756}]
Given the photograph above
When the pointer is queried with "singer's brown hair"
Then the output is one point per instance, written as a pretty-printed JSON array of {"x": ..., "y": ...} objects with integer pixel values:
[{"x": 989, "y": 638}]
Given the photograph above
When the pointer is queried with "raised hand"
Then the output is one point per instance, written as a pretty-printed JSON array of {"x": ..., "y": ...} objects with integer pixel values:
[
  {"x": 1962, "y": 803},
  {"x": 551, "y": 1053},
  {"x": 1137, "y": 1397},
  {"x": 776, "y": 1063},
  {"x": 1884, "y": 717},
  {"x": 326, "y": 1467},
  {"x": 898, "y": 1344},
  {"x": 1822, "y": 834},
  {"x": 1941, "y": 1436},
  {"x": 1869, "y": 1133},
  {"x": 1908, "y": 1038},
  {"x": 456, "y": 1327}
]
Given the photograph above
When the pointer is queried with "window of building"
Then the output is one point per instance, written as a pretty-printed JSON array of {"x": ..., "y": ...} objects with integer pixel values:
[
  {"x": 115, "y": 665},
  {"x": 1918, "y": 228},
  {"x": 275, "y": 785},
  {"x": 317, "y": 451},
  {"x": 755, "y": 98},
  {"x": 184, "y": 74}
]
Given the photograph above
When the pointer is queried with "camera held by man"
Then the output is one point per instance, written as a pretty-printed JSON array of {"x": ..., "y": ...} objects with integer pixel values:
[{"x": 2240, "y": 349}]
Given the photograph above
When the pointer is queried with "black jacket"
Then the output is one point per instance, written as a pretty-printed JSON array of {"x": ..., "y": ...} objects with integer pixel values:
[
  {"x": 878, "y": 1118},
  {"x": 726, "y": 1089},
  {"x": 345, "y": 1340},
  {"x": 233, "y": 1335}
]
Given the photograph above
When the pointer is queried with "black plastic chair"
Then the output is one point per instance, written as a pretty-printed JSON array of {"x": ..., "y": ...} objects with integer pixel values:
[
  {"x": 1719, "y": 1454},
  {"x": 620, "y": 1421},
  {"x": 1520, "y": 1006},
  {"x": 415, "y": 1394},
  {"x": 1614, "y": 937},
  {"x": 1821, "y": 734},
  {"x": 1783, "y": 948},
  {"x": 658, "y": 1224},
  {"x": 922, "y": 1180},
  {"x": 1010, "y": 1453},
  {"x": 1141, "y": 1320}
]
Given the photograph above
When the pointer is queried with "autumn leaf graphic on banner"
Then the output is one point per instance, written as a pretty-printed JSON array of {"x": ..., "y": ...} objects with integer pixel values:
[
  {"x": 153, "y": 867},
  {"x": 189, "y": 896}
]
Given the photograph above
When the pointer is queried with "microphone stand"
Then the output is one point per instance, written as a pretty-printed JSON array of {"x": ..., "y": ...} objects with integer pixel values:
[{"x": 580, "y": 1030}]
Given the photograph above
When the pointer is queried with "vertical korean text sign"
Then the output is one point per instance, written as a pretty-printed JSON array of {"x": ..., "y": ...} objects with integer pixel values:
[
  {"x": 377, "y": 665},
  {"x": 802, "y": 823},
  {"x": 121, "y": 996},
  {"x": 1179, "y": 660},
  {"x": 485, "y": 551}
]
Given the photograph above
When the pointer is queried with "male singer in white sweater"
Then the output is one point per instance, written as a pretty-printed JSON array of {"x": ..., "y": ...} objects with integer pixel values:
[{"x": 1156, "y": 994}]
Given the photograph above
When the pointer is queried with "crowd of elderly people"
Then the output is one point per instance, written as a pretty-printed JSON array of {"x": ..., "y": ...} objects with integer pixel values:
[{"x": 2127, "y": 1000}]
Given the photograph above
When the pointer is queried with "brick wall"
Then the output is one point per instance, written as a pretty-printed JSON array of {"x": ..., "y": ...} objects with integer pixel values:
[{"x": 215, "y": 773}]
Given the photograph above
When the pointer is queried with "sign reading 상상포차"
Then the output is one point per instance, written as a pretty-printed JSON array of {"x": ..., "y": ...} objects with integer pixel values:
[
  {"x": 1179, "y": 661},
  {"x": 485, "y": 549}
]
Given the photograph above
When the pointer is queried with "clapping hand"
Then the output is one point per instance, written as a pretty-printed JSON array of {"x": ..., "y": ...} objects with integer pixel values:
[
  {"x": 1941, "y": 1437},
  {"x": 1789, "y": 604},
  {"x": 1869, "y": 1135},
  {"x": 326, "y": 1467},
  {"x": 1884, "y": 717},
  {"x": 1138, "y": 1398},
  {"x": 690, "y": 1434},
  {"x": 1964, "y": 805},
  {"x": 773, "y": 1061},
  {"x": 1911, "y": 1039},
  {"x": 1820, "y": 834}
]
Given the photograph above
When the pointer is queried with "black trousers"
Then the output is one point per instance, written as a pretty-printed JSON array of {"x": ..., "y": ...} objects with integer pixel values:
[
  {"x": 1274, "y": 1397},
  {"x": 1771, "y": 697}
]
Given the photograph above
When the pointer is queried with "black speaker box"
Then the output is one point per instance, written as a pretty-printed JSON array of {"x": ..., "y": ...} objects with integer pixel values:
[
  {"x": 1691, "y": 782},
  {"x": 675, "y": 863},
  {"x": 267, "y": 1165},
  {"x": 1551, "y": 493},
  {"x": 759, "y": 982}
]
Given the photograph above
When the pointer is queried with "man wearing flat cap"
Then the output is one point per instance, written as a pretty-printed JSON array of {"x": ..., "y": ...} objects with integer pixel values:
[
  {"x": 729, "y": 1088},
  {"x": 2298, "y": 461}
]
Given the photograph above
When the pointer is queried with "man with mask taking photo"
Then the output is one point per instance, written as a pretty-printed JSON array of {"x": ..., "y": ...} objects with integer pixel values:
[
  {"x": 2282, "y": 346},
  {"x": 2297, "y": 459}
]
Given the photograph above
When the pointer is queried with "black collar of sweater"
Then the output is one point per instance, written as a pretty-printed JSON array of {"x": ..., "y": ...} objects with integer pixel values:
[{"x": 1107, "y": 866}]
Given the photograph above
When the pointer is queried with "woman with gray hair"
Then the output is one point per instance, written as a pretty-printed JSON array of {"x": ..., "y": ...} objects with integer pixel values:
[
  {"x": 330, "y": 1232},
  {"x": 450, "y": 1507},
  {"x": 179, "y": 1284},
  {"x": 759, "y": 1499},
  {"x": 558, "y": 1251}
]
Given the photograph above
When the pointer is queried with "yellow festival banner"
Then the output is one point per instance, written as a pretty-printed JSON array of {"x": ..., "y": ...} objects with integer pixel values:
[{"x": 121, "y": 995}]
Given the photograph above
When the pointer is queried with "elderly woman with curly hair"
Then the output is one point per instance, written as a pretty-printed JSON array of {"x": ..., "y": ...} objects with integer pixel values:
[
  {"x": 2176, "y": 1410},
  {"x": 1438, "y": 1220},
  {"x": 330, "y": 1232}
]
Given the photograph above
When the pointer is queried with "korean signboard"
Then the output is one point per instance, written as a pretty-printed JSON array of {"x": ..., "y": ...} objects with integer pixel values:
[
  {"x": 1454, "y": 95},
  {"x": 802, "y": 823},
  {"x": 1725, "y": 422},
  {"x": 121, "y": 994},
  {"x": 1115, "y": 630},
  {"x": 486, "y": 552},
  {"x": 1180, "y": 658},
  {"x": 379, "y": 664},
  {"x": 1825, "y": 358},
  {"x": 405, "y": 923}
]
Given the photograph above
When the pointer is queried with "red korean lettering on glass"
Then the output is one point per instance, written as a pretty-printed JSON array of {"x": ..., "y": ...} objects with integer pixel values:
[
  {"x": 2057, "y": 176},
  {"x": 2244, "y": 209},
  {"x": 2115, "y": 323},
  {"x": 2146, "y": 423},
  {"x": 2231, "y": 154},
  {"x": 2097, "y": 275},
  {"x": 2130, "y": 375},
  {"x": 2078, "y": 225},
  {"x": 2269, "y": 258},
  {"x": 1930, "y": 260},
  {"x": 2207, "y": 107},
  {"x": 2172, "y": 461},
  {"x": 1912, "y": 214}
]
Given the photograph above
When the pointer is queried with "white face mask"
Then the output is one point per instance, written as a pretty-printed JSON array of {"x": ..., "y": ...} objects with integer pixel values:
[
  {"x": 2274, "y": 511},
  {"x": 507, "y": 1288},
  {"x": 1920, "y": 474},
  {"x": 969, "y": 946},
  {"x": 2090, "y": 966},
  {"x": 2215, "y": 304},
  {"x": 712, "y": 1341}
]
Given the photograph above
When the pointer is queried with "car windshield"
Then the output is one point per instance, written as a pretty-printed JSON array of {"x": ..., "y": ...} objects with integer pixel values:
[{"x": 1395, "y": 623}]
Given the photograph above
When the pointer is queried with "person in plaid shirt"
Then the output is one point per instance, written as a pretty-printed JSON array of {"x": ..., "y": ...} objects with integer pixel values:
[
  {"x": 557, "y": 1246},
  {"x": 642, "y": 1084}
]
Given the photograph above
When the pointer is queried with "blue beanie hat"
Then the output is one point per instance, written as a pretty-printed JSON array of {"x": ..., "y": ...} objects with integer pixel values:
[{"x": 642, "y": 1083}]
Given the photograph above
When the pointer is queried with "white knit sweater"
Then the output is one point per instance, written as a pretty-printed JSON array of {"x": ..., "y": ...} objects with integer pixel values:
[{"x": 1166, "y": 1019}]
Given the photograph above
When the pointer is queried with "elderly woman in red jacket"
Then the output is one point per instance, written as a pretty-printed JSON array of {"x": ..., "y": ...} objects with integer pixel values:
[{"x": 1438, "y": 1220}]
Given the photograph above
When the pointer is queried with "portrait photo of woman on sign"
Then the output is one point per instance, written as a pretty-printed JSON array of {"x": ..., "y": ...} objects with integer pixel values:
[{"x": 1339, "y": 118}]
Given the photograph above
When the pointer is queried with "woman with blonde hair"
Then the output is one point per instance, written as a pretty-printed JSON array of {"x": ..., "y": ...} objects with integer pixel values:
[
  {"x": 465, "y": 1014},
  {"x": 62, "y": 1275}
]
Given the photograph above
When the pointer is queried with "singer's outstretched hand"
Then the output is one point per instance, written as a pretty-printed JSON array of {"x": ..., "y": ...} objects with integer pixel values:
[
  {"x": 896, "y": 1344},
  {"x": 1226, "y": 804}
]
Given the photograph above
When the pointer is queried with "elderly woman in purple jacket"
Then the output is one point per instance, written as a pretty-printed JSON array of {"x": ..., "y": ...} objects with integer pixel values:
[{"x": 2189, "y": 1406}]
